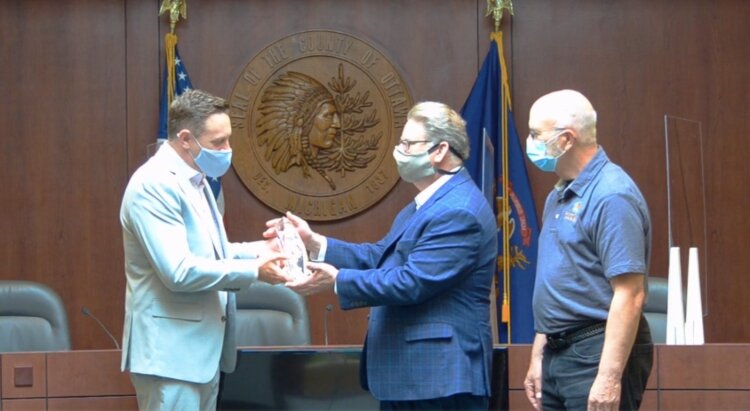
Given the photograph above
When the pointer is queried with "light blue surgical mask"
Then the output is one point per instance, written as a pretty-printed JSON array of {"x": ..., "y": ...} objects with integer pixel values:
[
  {"x": 213, "y": 163},
  {"x": 414, "y": 167},
  {"x": 537, "y": 152}
]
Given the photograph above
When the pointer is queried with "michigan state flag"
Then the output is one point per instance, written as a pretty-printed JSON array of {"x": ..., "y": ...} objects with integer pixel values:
[{"x": 497, "y": 164}]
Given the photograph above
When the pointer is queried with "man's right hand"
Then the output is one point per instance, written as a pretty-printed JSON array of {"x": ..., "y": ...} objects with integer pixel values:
[
  {"x": 322, "y": 277},
  {"x": 533, "y": 382}
]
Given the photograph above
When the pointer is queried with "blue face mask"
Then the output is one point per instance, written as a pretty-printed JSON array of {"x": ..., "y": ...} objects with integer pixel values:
[
  {"x": 537, "y": 152},
  {"x": 213, "y": 163}
]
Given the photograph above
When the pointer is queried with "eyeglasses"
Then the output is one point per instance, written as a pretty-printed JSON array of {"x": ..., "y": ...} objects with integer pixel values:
[
  {"x": 406, "y": 144},
  {"x": 534, "y": 134}
]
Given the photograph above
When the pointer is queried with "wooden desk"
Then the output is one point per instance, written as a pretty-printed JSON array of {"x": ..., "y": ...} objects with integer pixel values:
[
  {"x": 697, "y": 377},
  {"x": 316, "y": 377},
  {"x": 266, "y": 378},
  {"x": 707, "y": 377},
  {"x": 65, "y": 380}
]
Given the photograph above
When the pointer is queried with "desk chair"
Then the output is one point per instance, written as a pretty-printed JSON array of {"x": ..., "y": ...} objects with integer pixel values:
[
  {"x": 655, "y": 309},
  {"x": 271, "y": 315},
  {"x": 267, "y": 315},
  {"x": 32, "y": 318}
]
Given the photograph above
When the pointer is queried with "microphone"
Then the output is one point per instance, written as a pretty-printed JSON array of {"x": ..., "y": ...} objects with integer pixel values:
[
  {"x": 329, "y": 308},
  {"x": 88, "y": 313}
]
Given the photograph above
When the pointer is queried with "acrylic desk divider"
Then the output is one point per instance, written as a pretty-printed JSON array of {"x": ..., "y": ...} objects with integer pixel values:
[{"x": 686, "y": 205}]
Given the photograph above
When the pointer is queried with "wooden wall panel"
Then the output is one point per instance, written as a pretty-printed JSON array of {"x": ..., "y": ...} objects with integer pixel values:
[
  {"x": 650, "y": 400},
  {"x": 701, "y": 400},
  {"x": 87, "y": 373},
  {"x": 638, "y": 61},
  {"x": 517, "y": 401},
  {"x": 714, "y": 366},
  {"x": 145, "y": 62},
  {"x": 23, "y": 375},
  {"x": 63, "y": 121},
  {"x": 24, "y": 405},
  {"x": 80, "y": 81},
  {"x": 519, "y": 356},
  {"x": 65, "y": 380},
  {"x": 217, "y": 42},
  {"x": 93, "y": 404}
]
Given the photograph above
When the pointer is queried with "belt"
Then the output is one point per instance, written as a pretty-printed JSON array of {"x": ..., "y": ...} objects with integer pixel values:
[{"x": 562, "y": 340}]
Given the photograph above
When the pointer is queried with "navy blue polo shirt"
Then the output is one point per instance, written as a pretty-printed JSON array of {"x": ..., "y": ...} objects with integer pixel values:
[{"x": 594, "y": 228}]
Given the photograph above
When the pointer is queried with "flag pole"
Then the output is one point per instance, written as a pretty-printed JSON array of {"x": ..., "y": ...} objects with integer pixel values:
[
  {"x": 176, "y": 9},
  {"x": 496, "y": 9}
]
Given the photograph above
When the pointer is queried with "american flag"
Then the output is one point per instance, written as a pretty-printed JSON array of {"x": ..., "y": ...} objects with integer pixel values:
[{"x": 181, "y": 83}]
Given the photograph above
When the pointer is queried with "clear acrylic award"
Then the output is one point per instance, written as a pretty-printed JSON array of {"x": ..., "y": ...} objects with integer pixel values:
[{"x": 292, "y": 246}]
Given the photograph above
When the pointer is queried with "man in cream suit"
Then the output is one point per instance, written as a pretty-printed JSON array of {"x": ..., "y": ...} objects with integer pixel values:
[
  {"x": 179, "y": 265},
  {"x": 428, "y": 343}
]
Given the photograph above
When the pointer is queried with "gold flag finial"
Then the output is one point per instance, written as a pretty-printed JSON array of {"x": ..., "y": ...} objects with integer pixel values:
[
  {"x": 495, "y": 8},
  {"x": 176, "y": 9}
]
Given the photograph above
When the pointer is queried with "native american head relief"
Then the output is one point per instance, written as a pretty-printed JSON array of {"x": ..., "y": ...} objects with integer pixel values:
[{"x": 298, "y": 122}]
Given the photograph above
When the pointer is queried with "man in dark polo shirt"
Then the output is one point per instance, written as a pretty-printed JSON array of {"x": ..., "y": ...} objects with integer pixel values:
[{"x": 593, "y": 348}]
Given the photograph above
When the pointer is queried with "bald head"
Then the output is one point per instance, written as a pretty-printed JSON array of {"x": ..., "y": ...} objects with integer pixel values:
[{"x": 565, "y": 109}]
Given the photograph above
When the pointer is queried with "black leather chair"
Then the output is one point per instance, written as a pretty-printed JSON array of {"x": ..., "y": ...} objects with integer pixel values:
[
  {"x": 32, "y": 318},
  {"x": 655, "y": 309},
  {"x": 267, "y": 315},
  {"x": 271, "y": 315}
]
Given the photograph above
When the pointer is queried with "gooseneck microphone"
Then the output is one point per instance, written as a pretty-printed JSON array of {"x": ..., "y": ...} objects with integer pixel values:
[
  {"x": 329, "y": 308},
  {"x": 88, "y": 313}
]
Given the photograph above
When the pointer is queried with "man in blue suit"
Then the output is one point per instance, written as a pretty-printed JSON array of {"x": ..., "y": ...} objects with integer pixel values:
[
  {"x": 179, "y": 265},
  {"x": 429, "y": 343}
]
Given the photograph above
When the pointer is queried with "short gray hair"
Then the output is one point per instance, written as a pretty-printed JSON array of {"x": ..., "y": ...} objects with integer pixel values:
[
  {"x": 442, "y": 123},
  {"x": 583, "y": 121}
]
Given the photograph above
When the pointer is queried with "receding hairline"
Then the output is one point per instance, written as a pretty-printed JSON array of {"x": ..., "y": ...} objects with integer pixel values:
[{"x": 566, "y": 108}]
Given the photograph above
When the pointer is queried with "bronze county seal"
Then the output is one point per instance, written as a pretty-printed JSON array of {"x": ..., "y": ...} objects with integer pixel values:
[{"x": 315, "y": 117}]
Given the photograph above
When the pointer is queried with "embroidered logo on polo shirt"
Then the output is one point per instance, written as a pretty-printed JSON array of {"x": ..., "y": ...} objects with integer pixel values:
[{"x": 572, "y": 215}]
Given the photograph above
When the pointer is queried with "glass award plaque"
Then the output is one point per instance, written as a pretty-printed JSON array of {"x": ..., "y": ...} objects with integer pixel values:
[{"x": 292, "y": 246}]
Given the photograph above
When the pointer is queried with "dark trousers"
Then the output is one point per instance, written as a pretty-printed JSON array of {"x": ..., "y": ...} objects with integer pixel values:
[
  {"x": 454, "y": 402},
  {"x": 568, "y": 374}
]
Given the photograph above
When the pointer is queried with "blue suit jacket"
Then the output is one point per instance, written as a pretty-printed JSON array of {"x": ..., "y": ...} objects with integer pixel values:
[{"x": 428, "y": 282}]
